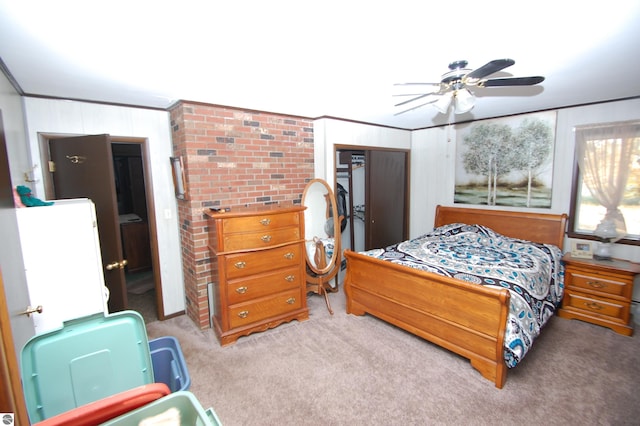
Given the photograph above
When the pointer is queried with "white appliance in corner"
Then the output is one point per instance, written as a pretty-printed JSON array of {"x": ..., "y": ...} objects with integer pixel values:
[{"x": 63, "y": 262}]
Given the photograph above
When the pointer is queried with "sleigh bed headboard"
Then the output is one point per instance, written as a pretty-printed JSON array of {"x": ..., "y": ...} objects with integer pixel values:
[{"x": 538, "y": 227}]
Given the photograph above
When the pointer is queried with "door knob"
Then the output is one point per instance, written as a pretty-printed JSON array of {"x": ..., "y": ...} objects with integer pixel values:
[
  {"x": 31, "y": 310},
  {"x": 116, "y": 265}
]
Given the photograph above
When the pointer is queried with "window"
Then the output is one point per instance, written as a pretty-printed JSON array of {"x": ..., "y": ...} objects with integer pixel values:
[{"x": 607, "y": 177}]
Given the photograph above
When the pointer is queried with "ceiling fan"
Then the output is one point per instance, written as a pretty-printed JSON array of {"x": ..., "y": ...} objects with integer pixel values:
[{"x": 455, "y": 84}]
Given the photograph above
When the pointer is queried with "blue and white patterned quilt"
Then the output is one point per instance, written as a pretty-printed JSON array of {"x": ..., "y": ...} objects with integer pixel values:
[{"x": 533, "y": 273}]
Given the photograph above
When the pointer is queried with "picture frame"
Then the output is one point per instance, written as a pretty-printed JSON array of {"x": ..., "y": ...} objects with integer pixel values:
[
  {"x": 506, "y": 161},
  {"x": 582, "y": 250},
  {"x": 179, "y": 180}
]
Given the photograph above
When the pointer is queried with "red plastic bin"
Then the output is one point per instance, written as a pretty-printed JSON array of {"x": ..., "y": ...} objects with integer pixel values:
[{"x": 108, "y": 408}]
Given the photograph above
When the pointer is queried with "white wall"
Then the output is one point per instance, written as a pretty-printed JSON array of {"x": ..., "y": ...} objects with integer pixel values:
[
  {"x": 565, "y": 146},
  {"x": 434, "y": 157},
  {"x": 432, "y": 175},
  {"x": 433, "y": 161},
  {"x": 11, "y": 261},
  {"x": 328, "y": 132},
  {"x": 81, "y": 118},
  {"x": 14, "y": 130}
]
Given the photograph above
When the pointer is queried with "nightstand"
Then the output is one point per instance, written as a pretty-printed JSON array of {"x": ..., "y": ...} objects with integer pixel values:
[{"x": 599, "y": 292}]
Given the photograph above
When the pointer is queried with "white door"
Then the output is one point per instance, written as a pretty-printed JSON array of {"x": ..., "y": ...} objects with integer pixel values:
[{"x": 62, "y": 260}]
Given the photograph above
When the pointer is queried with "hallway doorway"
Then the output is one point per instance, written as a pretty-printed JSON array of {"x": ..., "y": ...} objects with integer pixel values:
[{"x": 140, "y": 287}]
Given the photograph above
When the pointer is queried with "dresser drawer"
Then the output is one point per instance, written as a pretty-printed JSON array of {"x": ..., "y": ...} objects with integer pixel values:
[
  {"x": 249, "y": 263},
  {"x": 260, "y": 222},
  {"x": 262, "y": 239},
  {"x": 261, "y": 285},
  {"x": 265, "y": 308},
  {"x": 609, "y": 285},
  {"x": 604, "y": 307}
]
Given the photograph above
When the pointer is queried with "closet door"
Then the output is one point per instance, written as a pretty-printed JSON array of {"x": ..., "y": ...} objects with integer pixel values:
[{"x": 385, "y": 198}]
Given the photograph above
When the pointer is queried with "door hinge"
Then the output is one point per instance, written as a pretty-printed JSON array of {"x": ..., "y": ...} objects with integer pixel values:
[{"x": 52, "y": 166}]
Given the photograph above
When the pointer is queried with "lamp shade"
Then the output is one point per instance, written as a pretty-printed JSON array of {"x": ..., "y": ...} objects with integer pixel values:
[
  {"x": 612, "y": 227},
  {"x": 606, "y": 230},
  {"x": 443, "y": 103},
  {"x": 464, "y": 101}
]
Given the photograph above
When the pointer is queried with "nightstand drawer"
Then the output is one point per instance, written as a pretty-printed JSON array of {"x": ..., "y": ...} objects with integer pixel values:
[
  {"x": 604, "y": 307},
  {"x": 602, "y": 284},
  {"x": 599, "y": 292}
]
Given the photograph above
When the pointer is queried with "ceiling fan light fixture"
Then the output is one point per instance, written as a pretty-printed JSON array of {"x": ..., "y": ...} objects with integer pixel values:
[
  {"x": 454, "y": 85},
  {"x": 442, "y": 104},
  {"x": 464, "y": 101}
]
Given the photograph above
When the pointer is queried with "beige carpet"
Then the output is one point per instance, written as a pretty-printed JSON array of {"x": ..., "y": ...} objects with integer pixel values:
[{"x": 348, "y": 370}]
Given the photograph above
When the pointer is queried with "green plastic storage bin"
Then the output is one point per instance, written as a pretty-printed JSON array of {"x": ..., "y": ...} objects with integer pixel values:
[
  {"x": 189, "y": 409},
  {"x": 86, "y": 360}
]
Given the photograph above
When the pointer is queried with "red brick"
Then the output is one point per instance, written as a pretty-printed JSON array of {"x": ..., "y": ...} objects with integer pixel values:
[{"x": 237, "y": 173}]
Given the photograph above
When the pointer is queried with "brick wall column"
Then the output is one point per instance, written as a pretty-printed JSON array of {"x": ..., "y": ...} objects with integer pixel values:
[{"x": 231, "y": 158}]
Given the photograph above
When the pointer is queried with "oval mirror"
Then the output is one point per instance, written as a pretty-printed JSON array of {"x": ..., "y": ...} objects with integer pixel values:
[{"x": 319, "y": 226}]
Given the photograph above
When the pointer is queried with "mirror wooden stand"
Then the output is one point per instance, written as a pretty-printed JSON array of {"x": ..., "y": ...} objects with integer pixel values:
[{"x": 322, "y": 239}]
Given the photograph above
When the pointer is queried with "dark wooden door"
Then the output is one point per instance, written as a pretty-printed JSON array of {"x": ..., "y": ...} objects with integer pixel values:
[
  {"x": 84, "y": 169},
  {"x": 386, "y": 201}
]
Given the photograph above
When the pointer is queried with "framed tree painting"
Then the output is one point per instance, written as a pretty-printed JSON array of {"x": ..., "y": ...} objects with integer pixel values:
[{"x": 506, "y": 161}]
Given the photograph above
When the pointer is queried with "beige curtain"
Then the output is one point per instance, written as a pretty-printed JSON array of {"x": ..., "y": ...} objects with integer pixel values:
[{"x": 604, "y": 155}]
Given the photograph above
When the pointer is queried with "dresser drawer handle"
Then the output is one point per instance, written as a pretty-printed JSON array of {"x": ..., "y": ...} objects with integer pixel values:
[
  {"x": 240, "y": 265},
  {"x": 265, "y": 222},
  {"x": 596, "y": 284},
  {"x": 243, "y": 314},
  {"x": 241, "y": 290},
  {"x": 290, "y": 278},
  {"x": 593, "y": 305},
  {"x": 289, "y": 255},
  {"x": 291, "y": 300},
  {"x": 266, "y": 238}
]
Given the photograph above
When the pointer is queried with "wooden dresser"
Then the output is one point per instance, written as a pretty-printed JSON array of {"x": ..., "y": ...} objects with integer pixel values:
[
  {"x": 258, "y": 253},
  {"x": 135, "y": 245},
  {"x": 599, "y": 292}
]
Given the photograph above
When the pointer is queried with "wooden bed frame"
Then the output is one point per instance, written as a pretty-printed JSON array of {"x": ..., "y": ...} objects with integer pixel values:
[{"x": 468, "y": 319}]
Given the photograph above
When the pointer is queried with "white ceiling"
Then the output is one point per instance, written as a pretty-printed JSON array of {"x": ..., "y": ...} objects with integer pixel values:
[{"x": 312, "y": 59}]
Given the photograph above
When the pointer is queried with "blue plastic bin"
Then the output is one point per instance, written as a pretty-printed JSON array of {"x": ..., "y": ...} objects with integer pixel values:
[{"x": 169, "y": 366}]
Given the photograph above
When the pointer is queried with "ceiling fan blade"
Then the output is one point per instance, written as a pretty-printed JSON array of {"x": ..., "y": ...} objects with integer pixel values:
[
  {"x": 490, "y": 68},
  {"x": 415, "y": 99},
  {"x": 417, "y": 84},
  {"x": 416, "y": 107},
  {"x": 411, "y": 94},
  {"x": 515, "y": 81}
]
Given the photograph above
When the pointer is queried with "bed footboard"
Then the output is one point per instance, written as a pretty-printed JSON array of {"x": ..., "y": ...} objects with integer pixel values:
[{"x": 465, "y": 318}]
